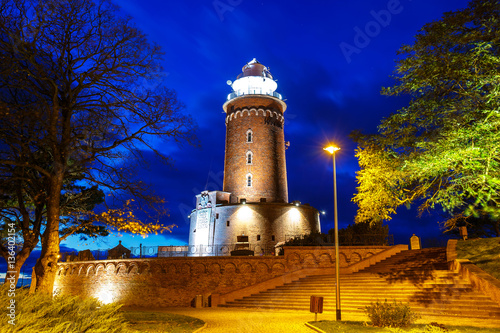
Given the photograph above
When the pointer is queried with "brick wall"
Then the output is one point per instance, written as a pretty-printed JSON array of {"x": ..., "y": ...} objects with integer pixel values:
[
  {"x": 263, "y": 116},
  {"x": 163, "y": 282}
]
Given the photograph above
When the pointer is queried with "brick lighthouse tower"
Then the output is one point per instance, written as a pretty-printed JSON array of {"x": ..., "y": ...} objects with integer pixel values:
[
  {"x": 252, "y": 212},
  {"x": 255, "y": 167}
]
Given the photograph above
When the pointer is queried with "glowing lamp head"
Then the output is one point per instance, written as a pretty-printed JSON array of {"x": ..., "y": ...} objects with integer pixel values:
[{"x": 331, "y": 149}]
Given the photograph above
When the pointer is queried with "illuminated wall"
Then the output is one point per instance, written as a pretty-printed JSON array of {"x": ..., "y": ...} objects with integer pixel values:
[
  {"x": 164, "y": 282},
  {"x": 263, "y": 223}
]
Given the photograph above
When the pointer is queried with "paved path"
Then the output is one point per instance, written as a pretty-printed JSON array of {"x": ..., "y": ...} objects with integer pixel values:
[{"x": 250, "y": 320}]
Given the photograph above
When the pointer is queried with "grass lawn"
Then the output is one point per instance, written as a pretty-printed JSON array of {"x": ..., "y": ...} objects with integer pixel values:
[
  {"x": 142, "y": 321},
  {"x": 361, "y": 327},
  {"x": 483, "y": 252}
]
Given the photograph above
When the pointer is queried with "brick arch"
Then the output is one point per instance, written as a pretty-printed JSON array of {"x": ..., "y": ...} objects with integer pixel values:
[
  {"x": 155, "y": 268},
  {"x": 243, "y": 112},
  {"x": 172, "y": 269},
  {"x": 60, "y": 270},
  {"x": 368, "y": 255},
  {"x": 236, "y": 114},
  {"x": 185, "y": 269},
  {"x": 110, "y": 268},
  {"x": 133, "y": 269},
  {"x": 293, "y": 259},
  {"x": 121, "y": 268},
  {"x": 213, "y": 269},
  {"x": 309, "y": 260},
  {"x": 144, "y": 268},
  {"x": 81, "y": 269},
  {"x": 278, "y": 269},
  {"x": 245, "y": 268},
  {"x": 229, "y": 268},
  {"x": 342, "y": 259},
  {"x": 99, "y": 269},
  {"x": 325, "y": 259},
  {"x": 261, "y": 110},
  {"x": 262, "y": 268},
  {"x": 199, "y": 268},
  {"x": 270, "y": 113},
  {"x": 355, "y": 257},
  {"x": 73, "y": 270},
  {"x": 90, "y": 270}
]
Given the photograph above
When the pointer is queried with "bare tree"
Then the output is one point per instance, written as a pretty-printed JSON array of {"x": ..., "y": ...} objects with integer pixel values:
[{"x": 77, "y": 74}]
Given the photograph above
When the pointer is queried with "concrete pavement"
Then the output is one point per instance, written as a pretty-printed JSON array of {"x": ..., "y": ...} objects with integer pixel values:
[{"x": 250, "y": 320}]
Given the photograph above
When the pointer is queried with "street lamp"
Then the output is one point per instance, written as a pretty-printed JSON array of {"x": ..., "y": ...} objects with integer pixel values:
[{"x": 332, "y": 150}]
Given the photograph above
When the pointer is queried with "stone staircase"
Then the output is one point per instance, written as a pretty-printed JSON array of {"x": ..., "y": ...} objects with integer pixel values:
[{"x": 417, "y": 277}]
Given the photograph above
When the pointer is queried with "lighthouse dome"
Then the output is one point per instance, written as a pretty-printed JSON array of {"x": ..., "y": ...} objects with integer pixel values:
[
  {"x": 255, "y": 68},
  {"x": 255, "y": 79}
]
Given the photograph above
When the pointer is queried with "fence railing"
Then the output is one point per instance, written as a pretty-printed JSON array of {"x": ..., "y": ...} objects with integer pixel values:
[
  {"x": 344, "y": 240},
  {"x": 174, "y": 251}
]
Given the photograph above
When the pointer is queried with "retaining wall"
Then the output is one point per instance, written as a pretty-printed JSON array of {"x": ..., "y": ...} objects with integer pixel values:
[{"x": 165, "y": 282}]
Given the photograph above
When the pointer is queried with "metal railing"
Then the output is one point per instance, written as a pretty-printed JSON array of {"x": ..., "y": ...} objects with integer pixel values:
[
  {"x": 235, "y": 94},
  {"x": 175, "y": 251}
]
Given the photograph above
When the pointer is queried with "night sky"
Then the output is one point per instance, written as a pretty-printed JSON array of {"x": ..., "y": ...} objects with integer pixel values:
[{"x": 330, "y": 58}]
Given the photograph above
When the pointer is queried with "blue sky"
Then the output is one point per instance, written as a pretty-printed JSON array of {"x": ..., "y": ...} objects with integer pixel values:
[
  {"x": 329, "y": 73},
  {"x": 330, "y": 58}
]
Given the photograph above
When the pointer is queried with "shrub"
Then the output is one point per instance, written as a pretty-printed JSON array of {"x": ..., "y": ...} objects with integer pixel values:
[
  {"x": 44, "y": 314},
  {"x": 390, "y": 314},
  {"x": 435, "y": 328}
]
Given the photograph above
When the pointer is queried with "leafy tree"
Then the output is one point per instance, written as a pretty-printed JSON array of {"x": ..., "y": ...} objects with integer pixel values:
[
  {"x": 363, "y": 233},
  {"x": 72, "y": 77},
  {"x": 442, "y": 149},
  {"x": 23, "y": 212},
  {"x": 311, "y": 239},
  {"x": 482, "y": 226}
]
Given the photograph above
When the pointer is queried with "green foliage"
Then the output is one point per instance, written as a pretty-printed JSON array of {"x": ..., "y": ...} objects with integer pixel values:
[
  {"x": 390, "y": 314},
  {"x": 358, "y": 327},
  {"x": 477, "y": 226},
  {"x": 363, "y": 233},
  {"x": 141, "y": 321},
  {"x": 43, "y": 314},
  {"x": 354, "y": 234},
  {"x": 435, "y": 328},
  {"x": 481, "y": 252},
  {"x": 312, "y": 239},
  {"x": 442, "y": 149}
]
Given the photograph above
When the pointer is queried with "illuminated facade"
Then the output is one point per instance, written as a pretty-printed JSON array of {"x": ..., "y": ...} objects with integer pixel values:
[{"x": 253, "y": 207}]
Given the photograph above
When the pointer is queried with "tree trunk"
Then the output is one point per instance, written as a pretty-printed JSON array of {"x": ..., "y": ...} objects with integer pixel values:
[
  {"x": 13, "y": 271},
  {"x": 46, "y": 265}
]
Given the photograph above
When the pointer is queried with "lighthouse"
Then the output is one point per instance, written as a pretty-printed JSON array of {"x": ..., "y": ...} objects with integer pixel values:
[
  {"x": 255, "y": 167},
  {"x": 252, "y": 211}
]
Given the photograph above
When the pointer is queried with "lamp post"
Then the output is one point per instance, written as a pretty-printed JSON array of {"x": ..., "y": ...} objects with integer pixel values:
[{"x": 332, "y": 150}]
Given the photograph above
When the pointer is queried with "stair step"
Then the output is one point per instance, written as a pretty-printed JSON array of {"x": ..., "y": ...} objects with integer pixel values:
[{"x": 417, "y": 277}]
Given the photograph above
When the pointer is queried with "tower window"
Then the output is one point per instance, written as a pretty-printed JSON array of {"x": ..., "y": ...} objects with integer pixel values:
[
  {"x": 249, "y": 157},
  {"x": 258, "y": 237},
  {"x": 249, "y": 136},
  {"x": 227, "y": 224},
  {"x": 272, "y": 238},
  {"x": 249, "y": 180}
]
